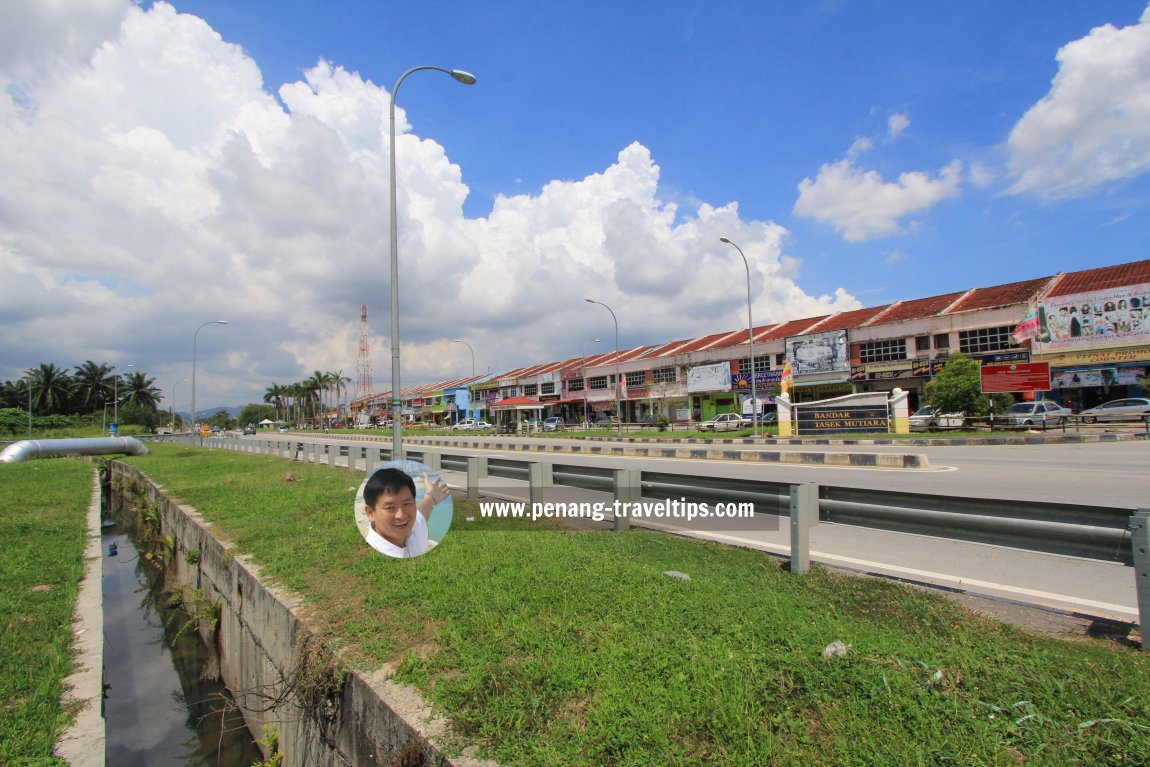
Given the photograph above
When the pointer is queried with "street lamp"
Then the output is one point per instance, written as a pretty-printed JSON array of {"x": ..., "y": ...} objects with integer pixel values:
[
  {"x": 585, "y": 414},
  {"x": 750, "y": 341},
  {"x": 116, "y": 397},
  {"x": 618, "y": 380},
  {"x": 194, "y": 337},
  {"x": 396, "y": 401},
  {"x": 461, "y": 341}
]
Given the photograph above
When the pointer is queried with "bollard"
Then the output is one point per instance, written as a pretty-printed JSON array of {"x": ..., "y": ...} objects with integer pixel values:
[
  {"x": 627, "y": 487},
  {"x": 476, "y": 470},
  {"x": 804, "y": 514},
  {"x": 1140, "y": 543}
]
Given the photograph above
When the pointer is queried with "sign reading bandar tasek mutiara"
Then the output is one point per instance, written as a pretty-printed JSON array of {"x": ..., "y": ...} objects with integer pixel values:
[{"x": 841, "y": 418}]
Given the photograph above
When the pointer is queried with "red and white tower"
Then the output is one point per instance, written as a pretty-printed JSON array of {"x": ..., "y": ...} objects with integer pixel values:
[{"x": 363, "y": 364}]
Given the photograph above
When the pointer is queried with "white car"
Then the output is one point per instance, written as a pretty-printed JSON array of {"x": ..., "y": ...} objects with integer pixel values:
[
  {"x": 470, "y": 424},
  {"x": 925, "y": 418},
  {"x": 726, "y": 422},
  {"x": 1118, "y": 410},
  {"x": 1040, "y": 413}
]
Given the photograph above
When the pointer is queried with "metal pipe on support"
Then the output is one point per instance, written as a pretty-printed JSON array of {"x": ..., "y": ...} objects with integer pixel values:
[{"x": 52, "y": 448}]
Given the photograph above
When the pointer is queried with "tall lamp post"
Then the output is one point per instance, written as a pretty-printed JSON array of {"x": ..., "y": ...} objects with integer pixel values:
[
  {"x": 586, "y": 417},
  {"x": 116, "y": 398},
  {"x": 194, "y": 337},
  {"x": 618, "y": 380},
  {"x": 750, "y": 340},
  {"x": 461, "y": 341},
  {"x": 396, "y": 400}
]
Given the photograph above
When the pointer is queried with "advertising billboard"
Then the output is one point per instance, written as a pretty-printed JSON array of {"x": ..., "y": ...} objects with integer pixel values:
[
  {"x": 709, "y": 378},
  {"x": 819, "y": 353},
  {"x": 1114, "y": 316}
]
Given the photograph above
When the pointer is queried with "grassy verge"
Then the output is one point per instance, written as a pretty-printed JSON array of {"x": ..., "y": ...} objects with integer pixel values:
[
  {"x": 43, "y": 505},
  {"x": 559, "y": 647}
]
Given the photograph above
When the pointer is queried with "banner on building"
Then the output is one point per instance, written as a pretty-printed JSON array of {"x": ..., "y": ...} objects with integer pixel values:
[
  {"x": 819, "y": 353},
  {"x": 702, "y": 378},
  {"x": 1113, "y": 316}
]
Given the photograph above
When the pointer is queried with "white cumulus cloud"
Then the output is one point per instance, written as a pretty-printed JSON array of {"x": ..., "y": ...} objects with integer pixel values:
[
  {"x": 1093, "y": 126},
  {"x": 861, "y": 205}
]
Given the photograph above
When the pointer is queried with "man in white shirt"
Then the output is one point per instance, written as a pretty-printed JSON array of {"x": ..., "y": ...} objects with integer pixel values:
[{"x": 397, "y": 525}]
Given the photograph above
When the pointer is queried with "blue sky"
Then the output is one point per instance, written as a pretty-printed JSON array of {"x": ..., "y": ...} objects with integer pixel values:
[{"x": 859, "y": 152}]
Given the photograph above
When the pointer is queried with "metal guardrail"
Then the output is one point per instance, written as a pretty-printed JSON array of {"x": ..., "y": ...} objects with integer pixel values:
[{"x": 1094, "y": 532}]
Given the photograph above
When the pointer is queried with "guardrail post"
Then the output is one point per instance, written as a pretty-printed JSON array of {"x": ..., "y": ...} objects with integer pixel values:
[
  {"x": 433, "y": 461},
  {"x": 627, "y": 486},
  {"x": 804, "y": 514},
  {"x": 476, "y": 470},
  {"x": 1140, "y": 543},
  {"x": 539, "y": 477}
]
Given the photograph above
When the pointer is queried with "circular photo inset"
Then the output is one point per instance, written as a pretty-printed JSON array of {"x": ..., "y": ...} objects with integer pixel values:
[{"x": 403, "y": 509}]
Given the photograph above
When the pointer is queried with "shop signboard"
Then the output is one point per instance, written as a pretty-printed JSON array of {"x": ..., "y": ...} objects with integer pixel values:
[
  {"x": 819, "y": 353},
  {"x": 703, "y": 378},
  {"x": 1115, "y": 316},
  {"x": 1019, "y": 376},
  {"x": 764, "y": 379},
  {"x": 837, "y": 419},
  {"x": 1080, "y": 379}
]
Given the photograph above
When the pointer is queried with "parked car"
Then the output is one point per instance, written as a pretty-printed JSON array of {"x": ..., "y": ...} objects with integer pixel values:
[
  {"x": 926, "y": 419},
  {"x": 1040, "y": 413},
  {"x": 554, "y": 423},
  {"x": 1118, "y": 410},
  {"x": 249, "y": 429},
  {"x": 726, "y": 422},
  {"x": 283, "y": 430},
  {"x": 468, "y": 424}
]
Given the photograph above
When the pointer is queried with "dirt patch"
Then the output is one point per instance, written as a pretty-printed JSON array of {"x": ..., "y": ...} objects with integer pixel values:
[{"x": 1049, "y": 622}]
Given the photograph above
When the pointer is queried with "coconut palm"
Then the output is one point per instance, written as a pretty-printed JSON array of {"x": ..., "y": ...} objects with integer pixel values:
[
  {"x": 314, "y": 387},
  {"x": 274, "y": 395},
  {"x": 338, "y": 384},
  {"x": 93, "y": 385},
  {"x": 52, "y": 389},
  {"x": 140, "y": 390}
]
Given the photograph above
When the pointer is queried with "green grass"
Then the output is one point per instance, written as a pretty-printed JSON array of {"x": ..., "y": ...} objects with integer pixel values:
[
  {"x": 43, "y": 505},
  {"x": 559, "y": 647}
]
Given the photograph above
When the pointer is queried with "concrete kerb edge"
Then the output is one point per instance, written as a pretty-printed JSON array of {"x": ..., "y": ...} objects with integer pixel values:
[
  {"x": 82, "y": 743},
  {"x": 412, "y": 712}
]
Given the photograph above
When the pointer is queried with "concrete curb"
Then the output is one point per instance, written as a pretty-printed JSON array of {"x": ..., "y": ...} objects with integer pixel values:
[
  {"x": 82, "y": 744},
  {"x": 261, "y": 626}
]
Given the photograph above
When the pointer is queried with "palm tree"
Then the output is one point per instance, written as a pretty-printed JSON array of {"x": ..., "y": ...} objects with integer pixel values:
[
  {"x": 338, "y": 381},
  {"x": 93, "y": 385},
  {"x": 141, "y": 391},
  {"x": 274, "y": 396},
  {"x": 52, "y": 389},
  {"x": 314, "y": 387}
]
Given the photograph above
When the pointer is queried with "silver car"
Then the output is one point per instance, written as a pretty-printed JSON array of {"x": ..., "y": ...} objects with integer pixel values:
[
  {"x": 726, "y": 422},
  {"x": 1118, "y": 410},
  {"x": 1040, "y": 413}
]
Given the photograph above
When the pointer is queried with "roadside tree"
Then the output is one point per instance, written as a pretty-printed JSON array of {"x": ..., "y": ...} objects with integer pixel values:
[{"x": 958, "y": 389}]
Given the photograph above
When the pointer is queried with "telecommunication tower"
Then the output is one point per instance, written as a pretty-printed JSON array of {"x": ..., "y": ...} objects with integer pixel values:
[{"x": 363, "y": 364}]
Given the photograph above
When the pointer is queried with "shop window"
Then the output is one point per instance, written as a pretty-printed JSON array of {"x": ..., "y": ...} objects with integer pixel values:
[
  {"x": 780, "y": 360},
  {"x": 882, "y": 351},
  {"x": 548, "y": 388},
  {"x": 922, "y": 343},
  {"x": 575, "y": 384},
  {"x": 636, "y": 379},
  {"x": 985, "y": 340},
  {"x": 665, "y": 375},
  {"x": 530, "y": 390},
  {"x": 598, "y": 382},
  {"x": 942, "y": 341},
  {"x": 762, "y": 363}
]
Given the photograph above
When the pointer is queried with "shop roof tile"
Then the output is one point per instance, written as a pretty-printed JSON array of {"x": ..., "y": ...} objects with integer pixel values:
[{"x": 1103, "y": 278}]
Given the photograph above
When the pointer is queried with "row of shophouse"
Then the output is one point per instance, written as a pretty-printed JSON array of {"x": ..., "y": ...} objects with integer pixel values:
[{"x": 1093, "y": 330}]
